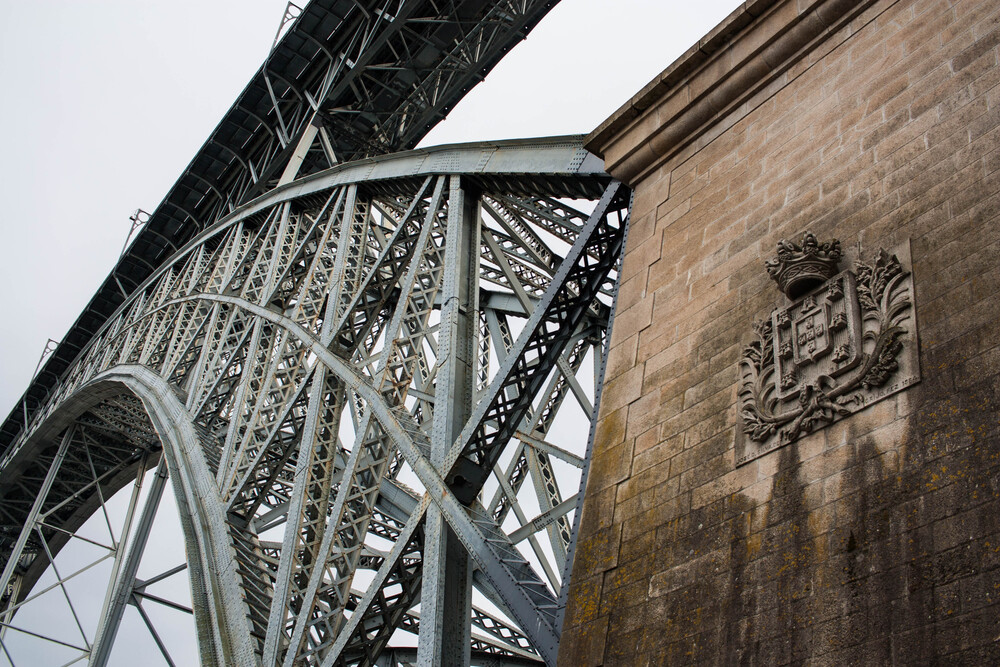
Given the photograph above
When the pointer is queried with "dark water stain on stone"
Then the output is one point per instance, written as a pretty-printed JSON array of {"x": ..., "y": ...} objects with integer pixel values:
[
  {"x": 738, "y": 629},
  {"x": 767, "y": 611},
  {"x": 850, "y": 606},
  {"x": 899, "y": 563}
]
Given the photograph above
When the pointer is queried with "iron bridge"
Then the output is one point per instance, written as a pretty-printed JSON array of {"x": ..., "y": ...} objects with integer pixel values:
[{"x": 368, "y": 374}]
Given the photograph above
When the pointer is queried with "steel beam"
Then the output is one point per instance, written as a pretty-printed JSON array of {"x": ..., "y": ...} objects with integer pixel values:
[
  {"x": 353, "y": 292},
  {"x": 446, "y": 593},
  {"x": 124, "y": 578}
]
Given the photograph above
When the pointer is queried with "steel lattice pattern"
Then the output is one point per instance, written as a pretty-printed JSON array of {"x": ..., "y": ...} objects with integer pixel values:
[
  {"x": 333, "y": 375},
  {"x": 350, "y": 79}
]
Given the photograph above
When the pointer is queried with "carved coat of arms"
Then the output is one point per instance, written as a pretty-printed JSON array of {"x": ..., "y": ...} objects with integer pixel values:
[{"x": 845, "y": 340}]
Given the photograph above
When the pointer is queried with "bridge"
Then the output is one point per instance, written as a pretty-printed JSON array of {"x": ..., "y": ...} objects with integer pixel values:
[{"x": 366, "y": 372}]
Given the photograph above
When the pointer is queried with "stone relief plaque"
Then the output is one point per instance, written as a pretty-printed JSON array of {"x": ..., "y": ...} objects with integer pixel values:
[{"x": 845, "y": 339}]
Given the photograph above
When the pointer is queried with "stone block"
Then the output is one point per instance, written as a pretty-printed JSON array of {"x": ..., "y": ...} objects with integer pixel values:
[{"x": 875, "y": 540}]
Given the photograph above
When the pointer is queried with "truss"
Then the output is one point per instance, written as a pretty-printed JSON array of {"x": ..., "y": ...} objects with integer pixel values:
[
  {"x": 370, "y": 389},
  {"x": 349, "y": 79}
]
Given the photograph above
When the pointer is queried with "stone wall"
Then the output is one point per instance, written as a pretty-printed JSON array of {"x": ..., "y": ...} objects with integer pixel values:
[{"x": 875, "y": 540}]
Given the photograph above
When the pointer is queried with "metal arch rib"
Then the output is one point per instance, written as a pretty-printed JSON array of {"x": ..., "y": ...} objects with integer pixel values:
[
  {"x": 527, "y": 599},
  {"x": 177, "y": 292},
  {"x": 513, "y": 162},
  {"x": 223, "y": 636},
  {"x": 318, "y": 31}
]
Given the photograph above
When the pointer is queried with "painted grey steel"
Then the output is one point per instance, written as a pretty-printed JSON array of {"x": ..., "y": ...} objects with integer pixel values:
[
  {"x": 29, "y": 525},
  {"x": 356, "y": 382},
  {"x": 299, "y": 289},
  {"x": 446, "y": 597},
  {"x": 123, "y": 576},
  {"x": 349, "y": 79}
]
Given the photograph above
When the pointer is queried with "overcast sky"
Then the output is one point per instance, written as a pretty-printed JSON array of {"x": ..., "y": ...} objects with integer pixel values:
[{"x": 106, "y": 101}]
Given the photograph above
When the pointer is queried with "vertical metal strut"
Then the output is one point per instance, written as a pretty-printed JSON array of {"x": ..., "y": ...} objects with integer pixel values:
[
  {"x": 446, "y": 593},
  {"x": 372, "y": 390},
  {"x": 123, "y": 575}
]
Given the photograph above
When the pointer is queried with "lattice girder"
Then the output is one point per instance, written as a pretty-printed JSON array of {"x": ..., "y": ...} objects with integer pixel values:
[{"x": 300, "y": 341}]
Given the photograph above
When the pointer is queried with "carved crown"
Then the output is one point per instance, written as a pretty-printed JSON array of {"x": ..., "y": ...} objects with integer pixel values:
[{"x": 800, "y": 268}]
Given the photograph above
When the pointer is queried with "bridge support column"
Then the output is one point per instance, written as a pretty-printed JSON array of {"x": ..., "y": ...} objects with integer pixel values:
[
  {"x": 446, "y": 596},
  {"x": 124, "y": 574},
  {"x": 7, "y": 579}
]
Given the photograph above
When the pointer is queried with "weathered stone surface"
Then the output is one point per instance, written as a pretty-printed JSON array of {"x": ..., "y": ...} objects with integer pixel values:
[{"x": 877, "y": 539}]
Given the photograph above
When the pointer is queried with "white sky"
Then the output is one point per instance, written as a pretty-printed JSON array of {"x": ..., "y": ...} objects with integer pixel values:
[{"x": 106, "y": 101}]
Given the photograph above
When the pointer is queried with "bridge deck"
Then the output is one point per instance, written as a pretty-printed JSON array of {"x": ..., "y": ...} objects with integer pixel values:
[{"x": 371, "y": 76}]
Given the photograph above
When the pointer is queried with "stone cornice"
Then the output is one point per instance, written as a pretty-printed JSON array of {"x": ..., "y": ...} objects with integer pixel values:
[{"x": 752, "y": 47}]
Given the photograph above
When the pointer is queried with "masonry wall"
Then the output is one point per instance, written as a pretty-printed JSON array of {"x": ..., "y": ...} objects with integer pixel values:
[{"x": 875, "y": 540}]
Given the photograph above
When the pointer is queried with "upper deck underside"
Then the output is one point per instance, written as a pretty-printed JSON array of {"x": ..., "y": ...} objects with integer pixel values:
[{"x": 350, "y": 79}]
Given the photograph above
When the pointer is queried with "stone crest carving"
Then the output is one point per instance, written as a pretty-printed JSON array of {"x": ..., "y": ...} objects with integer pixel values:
[{"x": 847, "y": 338}]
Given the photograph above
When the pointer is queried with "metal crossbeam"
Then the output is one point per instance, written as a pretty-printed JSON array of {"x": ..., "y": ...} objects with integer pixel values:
[
  {"x": 373, "y": 76},
  {"x": 364, "y": 385}
]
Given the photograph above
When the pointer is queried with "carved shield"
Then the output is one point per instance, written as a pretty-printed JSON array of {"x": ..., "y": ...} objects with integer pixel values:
[
  {"x": 848, "y": 343},
  {"x": 817, "y": 336}
]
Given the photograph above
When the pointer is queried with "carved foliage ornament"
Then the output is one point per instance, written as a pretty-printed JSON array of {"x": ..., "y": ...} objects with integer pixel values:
[{"x": 847, "y": 339}]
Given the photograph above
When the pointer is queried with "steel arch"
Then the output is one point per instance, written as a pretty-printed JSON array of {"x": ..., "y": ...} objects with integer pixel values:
[{"x": 355, "y": 381}]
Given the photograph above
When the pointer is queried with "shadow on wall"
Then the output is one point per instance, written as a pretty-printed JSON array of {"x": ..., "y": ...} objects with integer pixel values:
[{"x": 883, "y": 563}]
